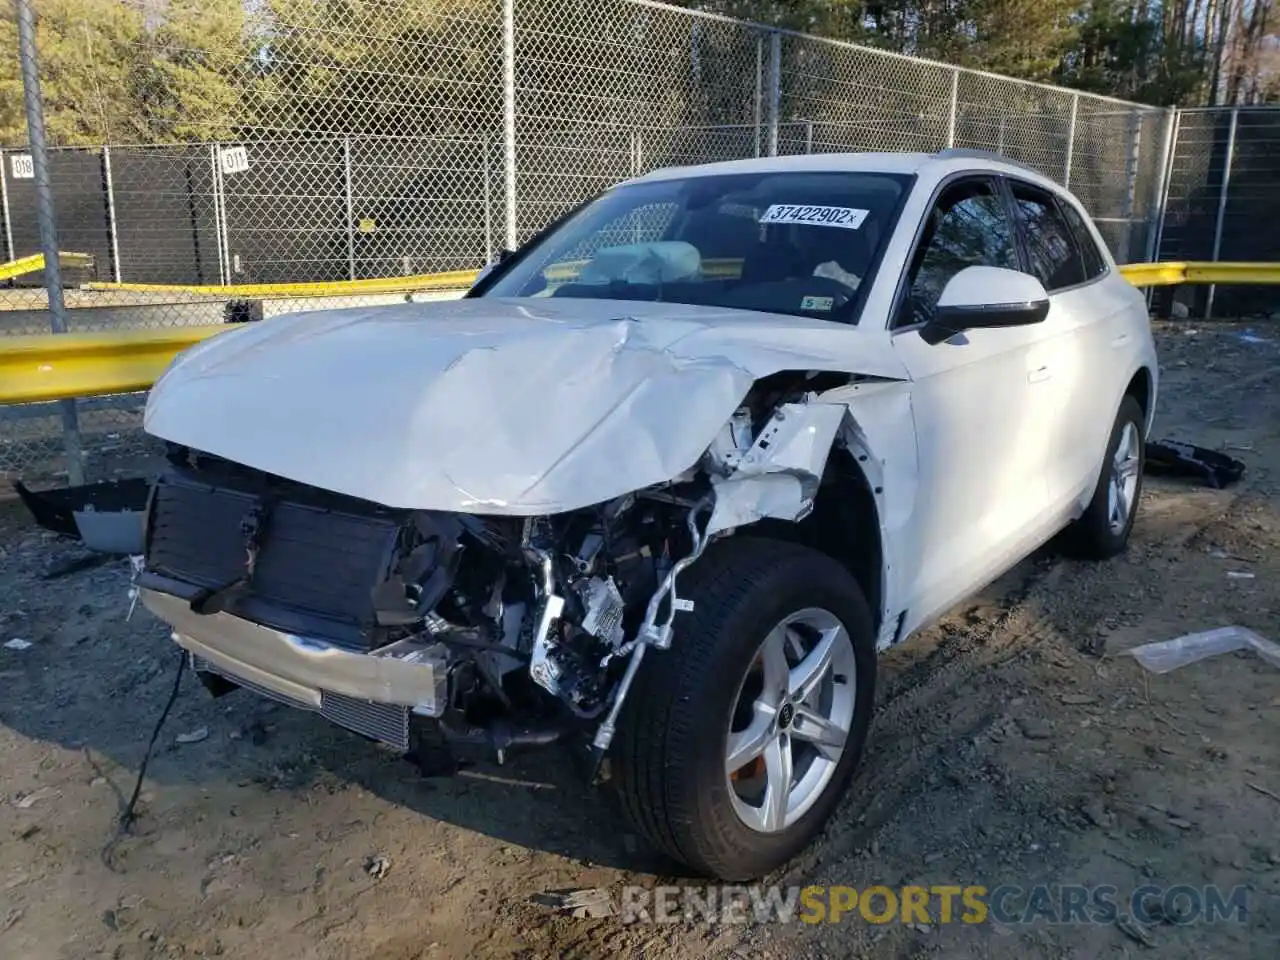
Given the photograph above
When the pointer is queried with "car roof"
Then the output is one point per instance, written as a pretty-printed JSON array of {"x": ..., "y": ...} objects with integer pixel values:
[{"x": 927, "y": 166}]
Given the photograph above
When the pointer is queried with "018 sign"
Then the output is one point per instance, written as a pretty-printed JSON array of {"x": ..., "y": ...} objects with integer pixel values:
[{"x": 21, "y": 166}]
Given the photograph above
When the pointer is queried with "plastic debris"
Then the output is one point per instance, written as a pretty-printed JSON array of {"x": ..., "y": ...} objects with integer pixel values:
[
  {"x": 1166, "y": 655},
  {"x": 17, "y": 643},
  {"x": 31, "y": 799},
  {"x": 195, "y": 736},
  {"x": 1240, "y": 575},
  {"x": 1250, "y": 337},
  {"x": 587, "y": 902},
  {"x": 1135, "y": 931},
  {"x": 1177, "y": 459},
  {"x": 378, "y": 866}
]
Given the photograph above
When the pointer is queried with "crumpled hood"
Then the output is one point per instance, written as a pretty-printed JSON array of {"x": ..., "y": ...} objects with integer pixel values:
[{"x": 498, "y": 406}]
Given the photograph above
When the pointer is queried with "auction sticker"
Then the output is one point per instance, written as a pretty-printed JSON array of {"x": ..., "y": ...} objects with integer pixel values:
[{"x": 847, "y": 217}]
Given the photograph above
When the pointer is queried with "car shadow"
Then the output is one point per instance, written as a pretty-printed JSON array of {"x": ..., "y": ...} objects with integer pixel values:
[{"x": 95, "y": 683}]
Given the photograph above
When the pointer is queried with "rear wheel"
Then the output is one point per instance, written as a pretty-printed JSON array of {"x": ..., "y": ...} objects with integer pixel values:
[
  {"x": 1103, "y": 530},
  {"x": 738, "y": 742}
]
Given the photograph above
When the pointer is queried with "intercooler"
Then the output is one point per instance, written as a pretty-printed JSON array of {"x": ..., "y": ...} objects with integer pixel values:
[{"x": 384, "y": 722}]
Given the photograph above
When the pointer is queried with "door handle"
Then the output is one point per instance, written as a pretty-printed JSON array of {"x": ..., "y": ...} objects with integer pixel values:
[{"x": 1040, "y": 374}]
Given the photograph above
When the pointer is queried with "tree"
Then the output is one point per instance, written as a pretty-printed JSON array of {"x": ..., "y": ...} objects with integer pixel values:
[
  {"x": 377, "y": 66},
  {"x": 92, "y": 54},
  {"x": 199, "y": 78}
]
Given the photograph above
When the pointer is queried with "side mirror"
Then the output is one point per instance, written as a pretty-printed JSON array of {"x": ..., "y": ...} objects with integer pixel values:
[{"x": 985, "y": 297}]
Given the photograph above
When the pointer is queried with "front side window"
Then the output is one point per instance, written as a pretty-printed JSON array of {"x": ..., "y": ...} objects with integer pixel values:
[
  {"x": 796, "y": 243},
  {"x": 967, "y": 227},
  {"x": 1055, "y": 259}
]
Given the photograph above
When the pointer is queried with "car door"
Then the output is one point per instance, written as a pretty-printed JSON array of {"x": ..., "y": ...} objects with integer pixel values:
[
  {"x": 982, "y": 489},
  {"x": 1075, "y": 359}
]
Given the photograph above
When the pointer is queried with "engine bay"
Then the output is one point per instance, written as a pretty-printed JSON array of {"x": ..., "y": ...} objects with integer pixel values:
[{"x": 543, "y": 621}]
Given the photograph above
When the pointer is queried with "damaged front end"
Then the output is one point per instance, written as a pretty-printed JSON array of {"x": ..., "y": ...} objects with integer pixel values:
[{"x": 504, "y": 630}]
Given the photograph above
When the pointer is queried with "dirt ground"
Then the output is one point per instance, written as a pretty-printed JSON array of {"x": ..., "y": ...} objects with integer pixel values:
[{"x": 1013, "y": 745}]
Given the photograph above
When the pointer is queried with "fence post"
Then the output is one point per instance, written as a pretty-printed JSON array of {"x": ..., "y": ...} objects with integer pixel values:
[
  {"x": 759, "y": 102},
  {"x": 488, "y": 199},
  {"x": 1071, "y": 139},
  {"x": 219, "y": 228},
  {"x": 46, "y": 217},
  {"x": 509, "y": 117},
  {"x": 4, "y": 200},
  {"x": 1131, "y": 184},
  {"x": 808, "y": 136},
  {"x": 955, "y": 98},
  {"x": 773, "y": 96},
  {"x": 111, "y": 213},
  {"x": 1222, "y": 204},
  {"x": 351, "y": 208},
  {"x": 1173, "y": 119}
]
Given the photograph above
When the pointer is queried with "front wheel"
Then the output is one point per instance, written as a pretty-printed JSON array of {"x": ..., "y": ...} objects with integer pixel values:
[
  {"x": 738, "y": 742},
  {"x": 1103, "y": 530}
]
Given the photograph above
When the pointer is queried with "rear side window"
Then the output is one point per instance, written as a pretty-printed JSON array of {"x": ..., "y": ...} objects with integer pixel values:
[
  {"x": 1055, "y": 258},
  {"x": 1095, "y": 264}
]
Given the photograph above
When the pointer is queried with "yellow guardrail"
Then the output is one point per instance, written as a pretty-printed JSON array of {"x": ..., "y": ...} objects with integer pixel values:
[
  {"x": 58, "y": 366},
  {"x": 453, "y": 280},
  {"x": 35, "y": 263},
  {"x": 1233, "y": 273},
  {"x": 1154, "y": 274},
  {"x": 1174, "y": 273},
  {"x": 721, "y": 268}
]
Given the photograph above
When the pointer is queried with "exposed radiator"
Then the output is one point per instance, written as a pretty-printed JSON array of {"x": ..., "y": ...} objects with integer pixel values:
[{"x": 319, "y": 554}]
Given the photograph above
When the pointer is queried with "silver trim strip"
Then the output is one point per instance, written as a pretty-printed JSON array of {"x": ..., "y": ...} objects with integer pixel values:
[{"x": 299, "y": 668}]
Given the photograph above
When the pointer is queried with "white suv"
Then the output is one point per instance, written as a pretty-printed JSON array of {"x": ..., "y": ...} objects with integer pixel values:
[{"x": 757, "y": 420}]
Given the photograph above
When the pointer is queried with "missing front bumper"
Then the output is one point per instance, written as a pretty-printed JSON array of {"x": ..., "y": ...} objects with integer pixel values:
[{"x": 370, "y": 693}]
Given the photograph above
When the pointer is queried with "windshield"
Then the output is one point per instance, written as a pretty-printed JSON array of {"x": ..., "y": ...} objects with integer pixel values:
[{"x": 796, "y": 243}]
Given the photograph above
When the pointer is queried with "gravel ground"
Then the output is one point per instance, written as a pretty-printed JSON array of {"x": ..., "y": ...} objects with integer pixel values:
[{"x": 1013, "y": 745}]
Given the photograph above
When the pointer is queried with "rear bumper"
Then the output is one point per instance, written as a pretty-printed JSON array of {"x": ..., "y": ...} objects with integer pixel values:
[{"x": 307, "y": 672}]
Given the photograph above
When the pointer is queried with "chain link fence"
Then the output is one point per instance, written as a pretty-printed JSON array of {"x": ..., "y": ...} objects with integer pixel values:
[
  {"x": 1222, "y": 202},
  {"x": 299, "y": 140}
]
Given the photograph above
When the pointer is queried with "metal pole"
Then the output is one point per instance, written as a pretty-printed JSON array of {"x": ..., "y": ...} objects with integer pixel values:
[
  {"x": 488, "y": 199},
  {"x": 111, "y": 214},
  {"x": 1071, "y": 139},
  {"x": 808, "y": 136},
  {"x": 1131, "y": 184},
  {"x": 228, "y": 265},
  {"x": 955, "y": 98},
  {"x": 217, "y": 212},
  {"x": 773, "y": 102},
  {"x": 351, "y": 209},
  {"x": 10, "y": 254},
  {"x": 1222, "y": 205},
  {"x": 759, "y": 103},
  {"x": 509, "y": 117},
  {"x": 1172, "y": 123},
  {"x": 46, "y": 216}
]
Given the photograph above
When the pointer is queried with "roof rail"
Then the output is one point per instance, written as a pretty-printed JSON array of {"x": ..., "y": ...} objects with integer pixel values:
[{"x": 952, "y": 153}]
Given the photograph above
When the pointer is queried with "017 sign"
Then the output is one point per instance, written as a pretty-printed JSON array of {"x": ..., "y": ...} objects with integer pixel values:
[{"x": 234, "y": 159}]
